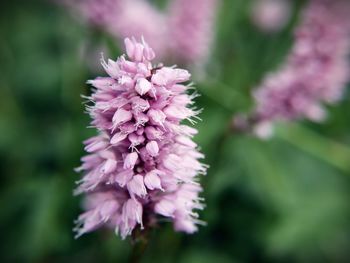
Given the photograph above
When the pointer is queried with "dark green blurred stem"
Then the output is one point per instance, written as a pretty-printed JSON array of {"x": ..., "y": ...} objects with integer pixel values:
[
  {"x": 331, "y": 152},
  {"x": 328, "y": 150},
  {"x": 215, "y": 163},
  {"x": 228, "y": 98},
  {"x": 227, "y": 133},
  {"x": 140, "y": 240}
]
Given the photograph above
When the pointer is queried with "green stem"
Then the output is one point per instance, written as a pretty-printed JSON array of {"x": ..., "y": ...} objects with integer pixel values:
[
  {"x": 140, "y": 242},
  {"x": 325, "y": 149},
  {"x": 222, "y": 94},
  {"x": 331, "y": 152}
]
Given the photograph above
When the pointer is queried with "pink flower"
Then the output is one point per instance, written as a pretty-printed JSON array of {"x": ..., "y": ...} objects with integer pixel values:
[
  {"x": 271, "y": 15},
  {"x": 192, "y": 27},
  {"x": 139, "y": 18},
  {"x": 186, "y": 25},
  {"x": 125, "y": 18},
  {"x": 95, "y": 12},
  {"x": 315, "y": 72},
  {"x": 143, "y": 162}
]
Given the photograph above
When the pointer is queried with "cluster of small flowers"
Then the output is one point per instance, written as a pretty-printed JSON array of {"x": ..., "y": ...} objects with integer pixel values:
[
  {"x": 316, "y": 71},
  {"x": 187, "y": 25},
  {"x": 143, "y": 162}
]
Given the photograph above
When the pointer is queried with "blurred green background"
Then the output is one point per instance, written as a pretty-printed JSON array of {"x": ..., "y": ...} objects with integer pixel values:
[{"x": 282, "y": 200}]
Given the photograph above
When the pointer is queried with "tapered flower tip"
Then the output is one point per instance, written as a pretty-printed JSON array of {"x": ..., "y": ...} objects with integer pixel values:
[{"x": 137, "y": 51}]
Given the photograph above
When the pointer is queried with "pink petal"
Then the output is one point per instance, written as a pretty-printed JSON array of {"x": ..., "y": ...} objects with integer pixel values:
[
  {"x": 130, "y": 160},
  {"x": 152, "y": 148},
  {"x": 143, "y": 86}
]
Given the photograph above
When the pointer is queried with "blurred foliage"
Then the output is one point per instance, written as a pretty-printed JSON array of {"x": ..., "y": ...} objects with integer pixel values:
[{"x": 283, "y": 200}]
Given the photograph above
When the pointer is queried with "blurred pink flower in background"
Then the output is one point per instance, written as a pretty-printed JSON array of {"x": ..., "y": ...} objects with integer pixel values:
[
  {"x": 183, "y": 34},
  {"x": 125, "y": 18},
  {"x": 94, "y": 12},
  {"x": 143, "y": 162},
  {"x": 192, "y": 27},
  {"x": 315, "y": 72},
  {"x": 139, "y": 18},
  {"x": 271, "y": 15}
]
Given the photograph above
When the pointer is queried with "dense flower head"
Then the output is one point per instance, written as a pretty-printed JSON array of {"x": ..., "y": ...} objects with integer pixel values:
[
  {"x": 143, "y": 162},
  {"x": 315, "y": 72}
]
